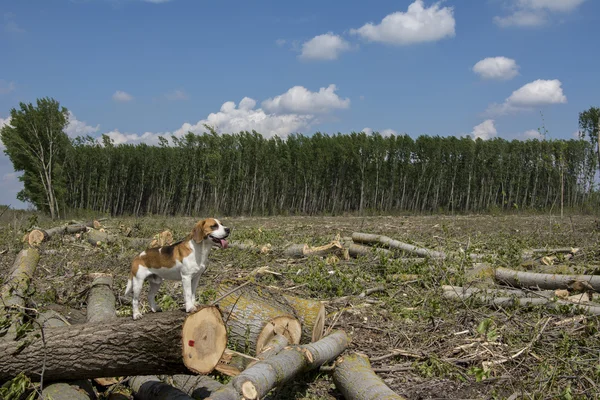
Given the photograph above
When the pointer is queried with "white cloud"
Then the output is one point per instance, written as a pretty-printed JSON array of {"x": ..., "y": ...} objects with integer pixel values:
[
  {"x": 10, "y": 25},
  {"x": 533, "y": 134},
  {"x": 10, "y": 177},
  {"x": 502, "y": 68},
  {"x": 122, "y": 96},
  {"x": 368, "y": 131},
  {"x": 177, "y": 95},
  {"x": 485, "y": 130},
  {"x": 280, "y": 42},
  {"x": 534, "y": 94},
  {"x": 79, "y": 128},
  {"x": 300, "y": 100},
  {"x": 133, "y": 138},
  {"x": 6, "y": 87},
  {"x": 324, "y": 47},
  {"x": 384, "y": 133},
  {"x": 418, "y": 24},
  {"x": 532, "y": 13}
]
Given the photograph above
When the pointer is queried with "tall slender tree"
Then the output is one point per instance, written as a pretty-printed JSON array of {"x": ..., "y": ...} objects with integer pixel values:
[{"x": 589, "y": 125}]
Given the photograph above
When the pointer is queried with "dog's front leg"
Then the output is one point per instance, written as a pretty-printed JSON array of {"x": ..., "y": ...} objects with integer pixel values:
[{"x": 186, "y": 282}]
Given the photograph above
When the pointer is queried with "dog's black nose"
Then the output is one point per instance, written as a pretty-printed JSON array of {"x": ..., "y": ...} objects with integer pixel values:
[{"x": 227, "y": 230}]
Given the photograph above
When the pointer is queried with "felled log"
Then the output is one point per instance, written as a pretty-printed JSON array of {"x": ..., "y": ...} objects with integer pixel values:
[
  {"x": 162, "y": 239},
  {"x": 256, "y": 381},
  {"x": 97, "y": 237},
  {"x": 254, "y": 316},
  {"x": 369, "y": 238},
  {"x": 464, "y": 293},
  {"x": 304, "y": 250},
  {"x": 544, "y": 299},
  {"x": 38, "y": 235},
  {"x": 16, "y": 287},
  {"x": 357, "y": 250},
  {"x": 156, "y": 344},
  {"x": 101, "y": 299},
  {"x": 151, "y": 388},
  {"x": 543, "y": 281},
  {"x": 273, "y": 347},
  {"x": 250, "y": 246},
  {"x": 197, "y": 386},
  {"x": 311, "y": 314},
  {"x": 355, "y": 379}
]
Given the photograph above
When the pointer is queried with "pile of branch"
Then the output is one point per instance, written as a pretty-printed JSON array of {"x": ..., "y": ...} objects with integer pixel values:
[
  {"x": 39, "y": 235},
  {"x": 357, "y": 249}
]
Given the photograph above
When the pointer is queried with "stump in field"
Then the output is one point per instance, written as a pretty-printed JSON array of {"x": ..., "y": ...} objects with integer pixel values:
[
  {"x": 119, "y": 347},
  {"x": 254, "y": 316},
  {"x": 356, "y": 380}
]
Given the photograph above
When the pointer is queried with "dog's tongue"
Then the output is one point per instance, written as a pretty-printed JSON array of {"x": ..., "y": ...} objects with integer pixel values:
[{"x": 224, "y": 243}]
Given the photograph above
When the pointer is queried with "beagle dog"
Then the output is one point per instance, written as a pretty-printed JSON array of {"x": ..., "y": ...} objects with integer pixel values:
[{"x": 185, "y": 260}]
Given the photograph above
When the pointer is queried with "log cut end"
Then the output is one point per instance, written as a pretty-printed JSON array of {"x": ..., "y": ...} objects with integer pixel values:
[
  {"x": 284, "y": 325},
  {"x": 249, "y": 391},
  {"x": 204, "y": 340},
  {"x": 319, "y": 327},
  {"x": 36, "y": 237}
]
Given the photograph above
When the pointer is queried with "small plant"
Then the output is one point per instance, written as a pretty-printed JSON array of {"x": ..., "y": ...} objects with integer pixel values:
[
  {"x": 479, "y": 373},
  {"x": 16, "y": 388},
  {"x": 487, "y": 330}
]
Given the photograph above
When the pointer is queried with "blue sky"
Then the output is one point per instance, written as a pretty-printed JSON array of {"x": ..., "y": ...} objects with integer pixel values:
[{"x": 135, "y": 69}]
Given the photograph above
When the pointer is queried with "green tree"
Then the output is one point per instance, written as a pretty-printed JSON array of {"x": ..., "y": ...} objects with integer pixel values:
[
  {"x": 589, "y": 125},
  {"x": 36, "y": 144}
]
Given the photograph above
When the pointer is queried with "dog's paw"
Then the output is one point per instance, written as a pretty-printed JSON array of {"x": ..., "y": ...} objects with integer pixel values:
[
  {"x": 157, "y": 309},
  {"x": 137, "y": 315},
  {"x": 191, "y": 309}
]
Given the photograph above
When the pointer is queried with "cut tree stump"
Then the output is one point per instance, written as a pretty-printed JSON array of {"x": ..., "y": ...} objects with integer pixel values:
[
  {"x": 119, "y": 347},
  {"x": 101, "y": 299},
  {"x": 151, "y": 388},
  {"x": 304, "y": 250},
  {"x": 15, "y": 289},
  {"x": 369, "y": 238},
  {"x": 543, "y": 281},
  {"x": 255, "y": 315},
  {"x": 355, "y": 379},
  {"x": 256, "y": 381}
]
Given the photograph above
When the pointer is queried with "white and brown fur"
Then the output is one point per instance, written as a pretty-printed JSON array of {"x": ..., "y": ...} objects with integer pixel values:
[{"x": 185, "y": 261}]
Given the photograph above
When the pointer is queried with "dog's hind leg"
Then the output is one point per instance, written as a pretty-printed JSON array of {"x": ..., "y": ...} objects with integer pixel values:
[
  {"x": 155, "y": 282},
  {"x": 137, "y": 284}
]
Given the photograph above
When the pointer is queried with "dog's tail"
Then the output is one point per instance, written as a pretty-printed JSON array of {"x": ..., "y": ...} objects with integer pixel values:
[{"x": 129, "y": 285}]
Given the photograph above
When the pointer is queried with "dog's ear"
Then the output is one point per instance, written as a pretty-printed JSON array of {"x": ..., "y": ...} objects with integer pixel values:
[{"x": 198, "y": 234}]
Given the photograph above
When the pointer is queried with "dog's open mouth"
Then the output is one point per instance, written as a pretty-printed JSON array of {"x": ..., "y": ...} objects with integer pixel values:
[{"x": 222, "y": 243}]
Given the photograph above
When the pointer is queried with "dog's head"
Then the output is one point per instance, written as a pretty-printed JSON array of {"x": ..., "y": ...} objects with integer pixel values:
[{"x": 210, "y": 229}]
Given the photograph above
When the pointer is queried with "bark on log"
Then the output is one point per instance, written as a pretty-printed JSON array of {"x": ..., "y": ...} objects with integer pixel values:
[
  {"x": 151, "y": 388},
  {"x": 506, "y": 301},
  {"x": 355, "y": 379},
  {"x": 255, "y": 315},
  {"x": 96, "y": 238},
  {"x": 256, "y": 381},
  {"x": 311, "y": 314},
  {"x": 464, "y": 293},
  {"x": 369, "y": 238},
  {"x": 118, "y": 347},
  {"x": 101, "y": 299},
  {"x": 357, "y": 250},
  {"x": 198, "y": 387},
  {"x": 38, "y": 235},
  {"x": 16, "y": 287},
  {"x": 304, "y": 250},
  {"x": 543, "y": 281}
]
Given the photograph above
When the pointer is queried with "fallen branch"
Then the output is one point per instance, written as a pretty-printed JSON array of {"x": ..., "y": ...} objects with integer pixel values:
[
  {"x": 467, "y": 292},
  {"x": 156, "y": 344},
  {"x": 97, "y": 237},
  {"x": 357, "y": 250},
  {"x": 543, "y": 281},
  {"x": 14, "y": 291},
  {"x": 304, "y": 250},
  {"x": 355, "y": 379},
  {"x": 38, "y": 235},
  {"x": 369, "y": 238},
  {"x": 101, "y": 299},
  {"x": 256, "y": 381}
]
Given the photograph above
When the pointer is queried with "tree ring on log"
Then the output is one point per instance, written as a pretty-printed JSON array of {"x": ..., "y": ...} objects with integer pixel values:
[
  {"x": 204, "y": 337},
  {"x": 284, "y": 325},
  {"x": 249, "y": 391}
]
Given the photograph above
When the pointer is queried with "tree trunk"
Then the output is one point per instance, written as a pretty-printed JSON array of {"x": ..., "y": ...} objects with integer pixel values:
[
  {"x": 256, "y": 381},
  {"x": 37, "y": 235},
  {"x": 101, "y": 299},
  {"x": 369, "y": 238},
  {"x": 118, "y": 347},
  {"x": 255, "y": 315},
  {"x": 544, "y": 281},
  {"x": 15, "y": 289},
  {"x": 355, "y": 379},
  {"x": 357, "y": 250}
]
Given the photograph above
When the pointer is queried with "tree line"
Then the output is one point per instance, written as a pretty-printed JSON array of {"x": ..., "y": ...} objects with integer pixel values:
[{"x": 246, "y": 173}]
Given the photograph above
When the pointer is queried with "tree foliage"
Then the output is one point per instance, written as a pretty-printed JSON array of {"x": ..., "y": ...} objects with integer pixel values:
[
  {"x": 37, "y": 145},
  {"x": 589, "y": 125},
  {"x": 245, "y": 173}
]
